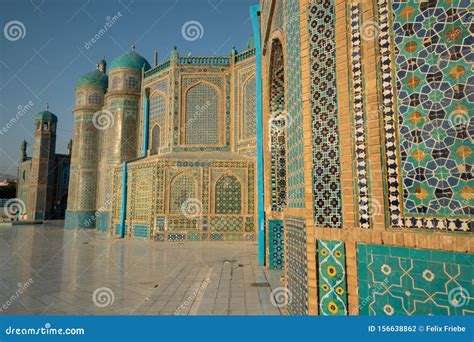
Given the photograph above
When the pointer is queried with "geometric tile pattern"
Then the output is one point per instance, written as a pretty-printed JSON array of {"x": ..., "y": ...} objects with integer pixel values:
[
  {"x": 427, "y": 48},
  {"x": 359, "y": 117},
  {"x": 275, "y": 244},
  {"x": 157, "y": 189},
  {"x": 332, "y": 278},
  {"x": 325, "y": 130},
  {"x": 294, "y": 106},
  {"x": 202, "y": 115},
  {"x": 228, "y": 195},
  {"x": 296, "y": 265},
  {"x": 406, "y": 281},
  {"x": 249, "y": 120},
  {"x": 183, "y": 189},
  {"x": 277, "y": 128}
]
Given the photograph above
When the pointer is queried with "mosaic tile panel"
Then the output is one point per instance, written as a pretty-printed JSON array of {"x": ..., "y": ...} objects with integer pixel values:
[
  {"x": 228, "y": 195},
  {"x": 202, "y": 106},
  {"x": 296, "y": 265},
  {"x": 332, "y": 282},
  {"x": 425, "y": 54},
  {"x": 406, "y": 281},
  {"x": 226, "y": 224},
  {"x": 141, "y": 231},
  {"x": 293, "y": 91},
  {"x": 250, "y": 107},
  {"x": 277, "y": 129},
  {"x": 327, "y": 195},
  {"x": 184, "y": 189},
  {"x": 359, "y": 120},
  {"x": 276, "y": 254}
]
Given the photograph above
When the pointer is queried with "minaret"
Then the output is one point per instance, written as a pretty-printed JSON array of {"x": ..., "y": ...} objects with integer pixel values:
[
  {"x": 41, "y": 182},
  {"x": 119, "y": 142},
  {"x": 88, "y": 123}
]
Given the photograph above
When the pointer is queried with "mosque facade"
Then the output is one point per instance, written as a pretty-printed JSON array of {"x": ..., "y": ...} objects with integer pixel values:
[{"x": 340, "y": 139}]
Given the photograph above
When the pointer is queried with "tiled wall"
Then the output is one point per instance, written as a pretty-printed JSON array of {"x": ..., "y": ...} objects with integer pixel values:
[
  {"x": 408, "y": 281},
  {"x": 275, "y": 244},
  {"x": 332, "y": 278},
  {"x": 296, "y": 266}
]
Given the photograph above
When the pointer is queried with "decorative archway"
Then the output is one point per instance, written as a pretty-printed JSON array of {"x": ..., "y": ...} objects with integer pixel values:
[{"x": 201, "y": 124}]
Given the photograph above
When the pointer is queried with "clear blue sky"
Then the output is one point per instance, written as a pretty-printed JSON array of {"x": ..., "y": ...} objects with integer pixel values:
[{"x": 44, "y": 65}]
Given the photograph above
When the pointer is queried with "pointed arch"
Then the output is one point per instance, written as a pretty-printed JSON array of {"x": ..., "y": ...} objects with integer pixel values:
[
  {"x": 183, "y": 188},
  {"x": 248, "y": 123},
  {"x": 202, "y": 123},
  {"x": 155, "y": 139}
]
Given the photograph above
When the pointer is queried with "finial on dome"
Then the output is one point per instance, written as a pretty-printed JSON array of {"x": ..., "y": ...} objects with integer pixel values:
[
  {"x": 133, "y": 47},
  {"x": 46, "y": 107}
]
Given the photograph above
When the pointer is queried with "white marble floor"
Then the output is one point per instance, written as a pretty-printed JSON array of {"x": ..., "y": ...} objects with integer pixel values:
[{"x": 47, "y": 270}]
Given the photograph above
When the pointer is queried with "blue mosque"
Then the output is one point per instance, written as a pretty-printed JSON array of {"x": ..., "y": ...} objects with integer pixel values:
[{"x": 339, "y": 140}]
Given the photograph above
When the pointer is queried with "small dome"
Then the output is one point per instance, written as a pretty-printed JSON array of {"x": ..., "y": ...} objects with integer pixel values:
[
  {"x": 251, "y": 44},
  {"x": 46, "y": 116},
  {"x": 93, "y": 78},
  {"x": 130, "y": 60}
]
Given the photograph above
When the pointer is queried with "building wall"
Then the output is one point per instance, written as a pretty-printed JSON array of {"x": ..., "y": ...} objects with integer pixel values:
[
  {"x": 386, "y": 149},
  {"x": 188, "y": 199}
]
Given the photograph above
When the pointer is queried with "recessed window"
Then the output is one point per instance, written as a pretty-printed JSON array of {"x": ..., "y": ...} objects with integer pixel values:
[
  {"x": 132, "y": 82},
  {"x": 94, "y": 98}
]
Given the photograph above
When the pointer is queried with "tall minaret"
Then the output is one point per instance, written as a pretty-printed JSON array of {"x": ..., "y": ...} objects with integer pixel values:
[
  {"x": 42, "y": 166},
  {"x": 119, "y": 140},
  {"x": 88, "y": 123}
]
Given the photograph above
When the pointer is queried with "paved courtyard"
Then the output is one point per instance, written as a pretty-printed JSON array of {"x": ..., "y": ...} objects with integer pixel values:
[{"x": 47, "y": 270}]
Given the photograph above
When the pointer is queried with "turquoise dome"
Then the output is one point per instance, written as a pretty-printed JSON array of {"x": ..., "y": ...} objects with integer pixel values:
[
  {"x": 93, "y": 78},
  {"x": 46, "y": 116},
  {"x": 130, "y": 60},
  {"x": 251, "y": 44}
]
